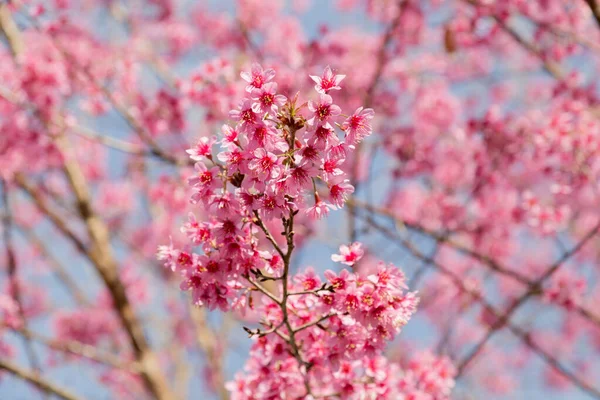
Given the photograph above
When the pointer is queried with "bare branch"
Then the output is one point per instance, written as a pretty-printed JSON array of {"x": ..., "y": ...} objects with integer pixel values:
[
  {"x": 595, "y": 8},
  {"x": 459, "y": 282},
  {"x": 35, "y": 380}
]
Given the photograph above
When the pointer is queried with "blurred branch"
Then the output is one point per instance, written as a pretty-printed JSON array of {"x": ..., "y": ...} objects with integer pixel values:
[
  {"x": 7, "y": 225},
  {"x": 533, "y": 285},
  {"x": 110, "y": 142},
  {"x": 80, "y": 349},
  {"x": 101, "y": 255},
  {"x": 52, "y": 215},
  {"x": 56, "y": 266},
  {"x": 251, "y": 45},
  {"x": 550, "y": 67},
  {"x": 534, "y": 289},
  {"x": 381, "y": 60},
  {"x": 209, "y": 343},
  {"x": 84, "y": 131},
  {"x": 595, "y": 10},
  {"x": 444, "y": 239},
  {"x": 9, "y": 30},
  {"x": 36, "y": 380},
  {"x": 502, "y": 319},
  {"x": 155, "y": 149}
]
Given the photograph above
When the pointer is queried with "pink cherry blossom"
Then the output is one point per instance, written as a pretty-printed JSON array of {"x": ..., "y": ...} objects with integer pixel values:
[
  {"x": 257, "y": 77},
  {"x": 323, "y": 110},
  {"x": 202, "y": 149},
  {"x": 266, "y": 99},
  {"x": 358, "y": 125},
  {"x": 349, "y": 255},
  {"x": 328, "y": 81}
]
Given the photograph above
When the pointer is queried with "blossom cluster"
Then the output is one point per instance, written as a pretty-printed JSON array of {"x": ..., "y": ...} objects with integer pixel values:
[
  {"x": 343, "y": 325},
  {"x": 425, "y": 377},
  {"x": 274, "y": 163}
]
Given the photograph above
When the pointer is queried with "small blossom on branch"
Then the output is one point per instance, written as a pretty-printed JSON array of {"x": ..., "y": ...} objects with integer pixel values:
[{"x": 349, "y": 255}]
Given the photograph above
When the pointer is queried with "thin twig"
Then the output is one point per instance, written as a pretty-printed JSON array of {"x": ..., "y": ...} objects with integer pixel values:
[
  {"x": 7, "y": 222},
  {"x": 381, "y": 59},
  {"x": 35, "y": 380},
  {"x": 459, "y": 282},
  {"x": 80, "y": 349}
]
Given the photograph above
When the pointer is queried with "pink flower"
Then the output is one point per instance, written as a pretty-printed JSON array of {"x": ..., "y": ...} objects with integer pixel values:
[
  {"x": 300, "y": 177},
  {"x": 264, "y": 134},
  {"x": 272, "y": 206},
  {"x": 234, "y": 159},
  {"x": 197, "y": 232},
  {"x": 324, "y": 136},
  {"x": 230, "y": 135},
  {"x": 323, "y": 110},
  {"x": 319, "y": 210},
  {"x": 257, "y": 77},
  {"x": 331, "y": 168},
  {"x": 341, "y": 281},
  {"x": 358, "y": 126},
  {"x": 202, "y": 149},
  {"x": 339, "y": 192},
  {"x": 204, "y": 181},
  {"x": 266, "y": 99},
  {"x": 328, "y": 81},
  {"x": 264, "y": 165},
  {"x": 566, "y": 289},
  {"x": 168, "y": 254},
  {"x": 244, "y": 114},
  {"x": 349, "y": 255},
  {"x": 309, "y": 280}
]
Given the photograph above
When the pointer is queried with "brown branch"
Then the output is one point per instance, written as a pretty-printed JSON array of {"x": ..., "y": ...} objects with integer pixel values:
[
  {"x": 35, "y": 380},
  {"x": 258, "y": 221},
  {"x": 7, "y": 222},
  {"x": 56, "y": 266},
  {"x": 550, "y": 67},
  {"x": 445, "y": 239},
  {"x": 381, "y": 59},
  {"x": 313, "y": 323},
  {"x": 79, "y": 349},
  {"x": 100, "y": 250},
  {"x": 101, "y": 255},
  {"x": 290, "y": 338},
  {"x": 209, "y": 343},
  {"x": 595, "y": 10},
  {"x": 459, "y": 282},
  {"x": 9, "y": 29},
  {"x": 534, "y": 289},
  {"x": 52, "y": 215}
]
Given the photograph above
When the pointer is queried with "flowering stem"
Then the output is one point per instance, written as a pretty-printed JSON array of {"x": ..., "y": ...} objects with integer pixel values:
[
  {"x": 258, "y": 221},
  {"x": 288, "y": 225},
  {"x": 313, "y": 323}
]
